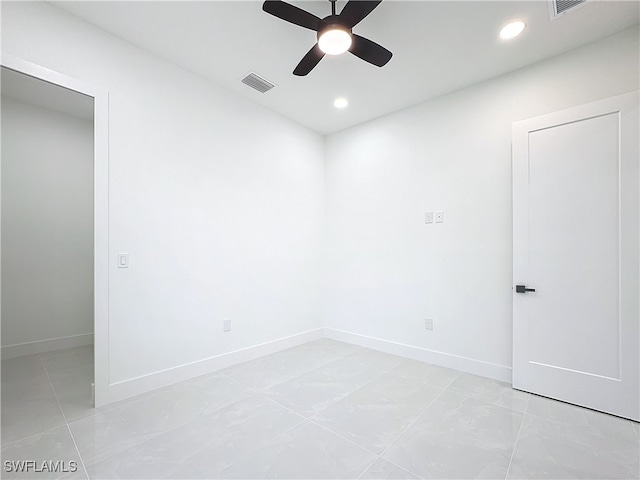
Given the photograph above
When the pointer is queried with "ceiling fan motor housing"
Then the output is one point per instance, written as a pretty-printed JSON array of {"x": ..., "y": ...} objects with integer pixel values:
[{"x": 333, "y": 22}]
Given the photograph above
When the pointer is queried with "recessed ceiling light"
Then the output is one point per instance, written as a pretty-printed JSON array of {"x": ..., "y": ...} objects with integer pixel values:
[
  {"x": 512, "y": 30},
  {"x": 340, "y": 102}
]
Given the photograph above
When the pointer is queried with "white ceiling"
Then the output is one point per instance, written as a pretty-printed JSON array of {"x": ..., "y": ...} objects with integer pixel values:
[
  {"x": 438, "y": 47},
  {"x": 35, "y": 91}
]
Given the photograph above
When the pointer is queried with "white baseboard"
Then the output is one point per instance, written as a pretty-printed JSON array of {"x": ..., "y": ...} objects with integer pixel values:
[
  {"x": 146, "y": 383},
  {"x": 468, "y": 365},
  {"x": 42, "y": 346}
]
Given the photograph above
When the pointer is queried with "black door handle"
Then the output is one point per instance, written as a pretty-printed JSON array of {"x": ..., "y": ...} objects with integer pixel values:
[{"x": 523, "y": 289}]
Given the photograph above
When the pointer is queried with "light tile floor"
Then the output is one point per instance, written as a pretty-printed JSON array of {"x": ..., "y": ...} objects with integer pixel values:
[{"x": 325, "y": 409}]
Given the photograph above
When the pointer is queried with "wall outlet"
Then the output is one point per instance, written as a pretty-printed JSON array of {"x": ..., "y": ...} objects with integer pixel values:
[
  {"x": 439, "y": 217},
  {"x": 428, "y": 323},
  {"x": 226, "y": 325},
  {"x": 428, "y": 217}
]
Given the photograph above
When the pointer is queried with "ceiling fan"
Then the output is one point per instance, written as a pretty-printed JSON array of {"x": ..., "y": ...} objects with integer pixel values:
[{"x": 334, "y": 32}]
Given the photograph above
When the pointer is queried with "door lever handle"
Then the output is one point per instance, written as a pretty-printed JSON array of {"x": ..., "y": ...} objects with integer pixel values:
[{"x": 524, "y": 289}]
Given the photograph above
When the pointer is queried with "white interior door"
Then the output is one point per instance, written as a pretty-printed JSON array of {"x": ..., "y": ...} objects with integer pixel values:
[{"x": 575, "y": 242}]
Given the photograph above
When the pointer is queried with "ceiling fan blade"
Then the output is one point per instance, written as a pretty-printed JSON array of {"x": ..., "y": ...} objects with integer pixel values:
[
  {"x": 370, "y": 51},
  {"x": 292, "y": 14},
  {"x": 355, "y": 10},
  {"x": 309, "y": 61}
]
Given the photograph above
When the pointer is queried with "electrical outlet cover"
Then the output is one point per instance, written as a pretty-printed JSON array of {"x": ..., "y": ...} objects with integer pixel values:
[{"x": 428, "y": 217}]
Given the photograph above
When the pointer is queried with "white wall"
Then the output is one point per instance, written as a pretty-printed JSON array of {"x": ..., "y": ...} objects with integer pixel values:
[
  {"x": 221, "y": 204},
  {"x": 218, "y": 202},
  {"x": 47, "y": 225},
  {"x": 386, "y": 270}
]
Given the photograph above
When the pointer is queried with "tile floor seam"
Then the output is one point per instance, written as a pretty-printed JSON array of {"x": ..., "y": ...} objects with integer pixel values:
[
  {"x": 75, "y": 445},
  {"x": 404, "y": 469},
  {"x": 388, "y": 370},
  {"x": 382, "y": 371},
  {"x": 419, "y": 381},
  {"x": 488, "y": 403},
  {"x": 4, "y": 445},
  {"x": 238, "y": 382},
  {"x": 411, "y": 424},
  {"x": 515, "y": 444},
  {"x": 369, "y": 465},
  {"x": 265, "y": 444},
  {"x": 291, "y": 378},
  {"x": 345, "y": 395},
  {"x": 282, "y": 405},
  {"x": 351, "y": 393},
  {"x": 270, "y": 385},
  {"x": 359, "y": 477},
  {"x": 164, "y": 432},
  {"x": 303, "y": 419},
  {"x": 309, "y": 418},
  {"x": 513, "y": 410},
  {"x": 342, "y": 356},
  {"x": 329, "y": 405},
  {"x": 526, "y": 407},
  {"x": 401, "y": 433},
  {"x": 273, "y": 439},
  {"x": 344, "y": 438}
]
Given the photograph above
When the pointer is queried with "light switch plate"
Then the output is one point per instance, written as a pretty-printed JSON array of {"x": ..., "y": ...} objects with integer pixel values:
[
  {"x": 428, "y": 217},
  {"x": 123, "y": 260},
  {"x": 439, "y": 217}
]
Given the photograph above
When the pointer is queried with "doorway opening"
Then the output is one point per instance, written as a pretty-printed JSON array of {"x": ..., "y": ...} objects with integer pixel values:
[{"x": 54, "y": 231}]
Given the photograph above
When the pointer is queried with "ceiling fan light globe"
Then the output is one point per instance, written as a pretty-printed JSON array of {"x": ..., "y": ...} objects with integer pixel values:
[{"x": 334, "y": 41}]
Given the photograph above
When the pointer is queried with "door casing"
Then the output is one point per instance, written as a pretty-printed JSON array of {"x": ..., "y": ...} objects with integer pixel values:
[{"x": 101, "y": 210}]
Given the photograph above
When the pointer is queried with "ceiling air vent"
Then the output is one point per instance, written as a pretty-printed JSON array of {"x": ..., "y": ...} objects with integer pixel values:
[
  {"x": 257, "y": 82},
  {"x": 558, "y": 8}
]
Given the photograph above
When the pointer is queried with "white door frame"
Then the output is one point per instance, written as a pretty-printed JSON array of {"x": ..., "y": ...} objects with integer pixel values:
[{"x": 101, "y": 210}]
